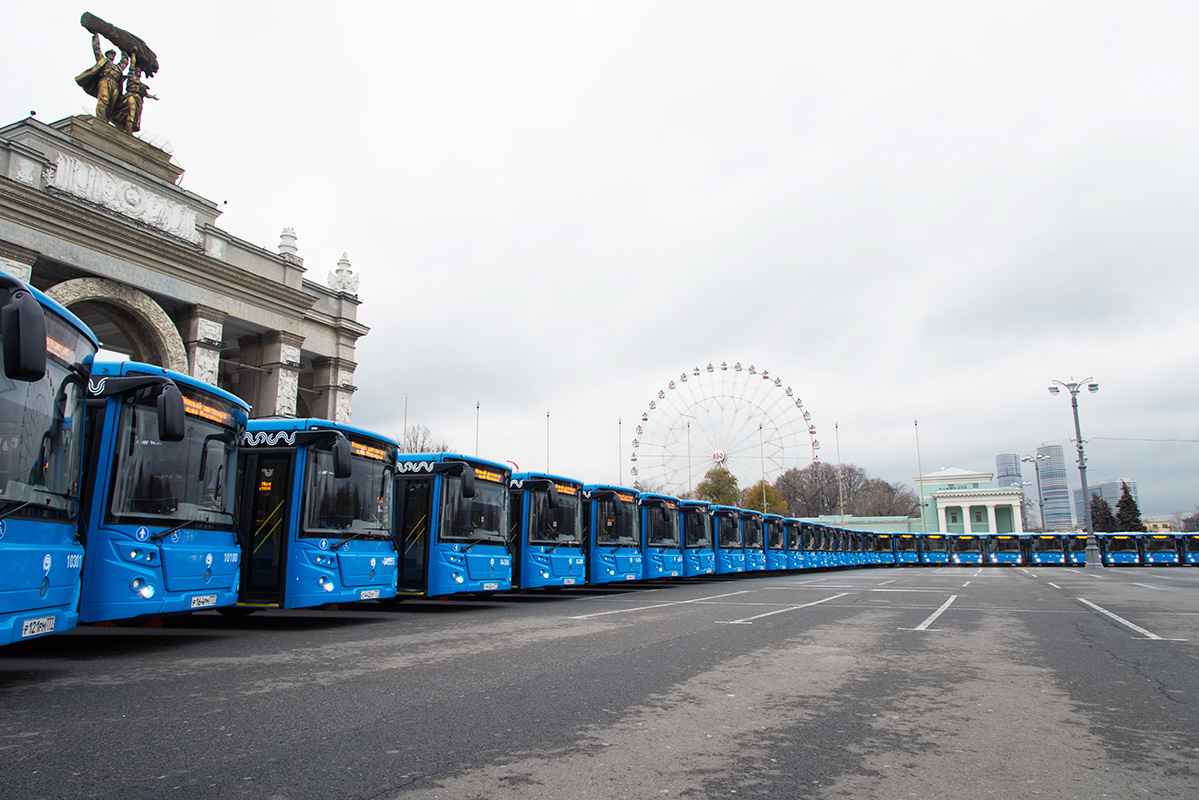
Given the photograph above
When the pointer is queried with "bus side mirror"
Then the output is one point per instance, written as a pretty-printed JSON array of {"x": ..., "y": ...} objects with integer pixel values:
[
  {"x": 170, "y": 414},
  {"x": 468, "y": 481},
  {"x": 342, "y": 465},
  {"x": 23, "y": 326}
]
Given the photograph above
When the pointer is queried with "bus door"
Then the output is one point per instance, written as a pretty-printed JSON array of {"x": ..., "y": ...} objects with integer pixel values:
[
  {"x": 268, "y": 486},
  {"x": 414, "y": 502}
]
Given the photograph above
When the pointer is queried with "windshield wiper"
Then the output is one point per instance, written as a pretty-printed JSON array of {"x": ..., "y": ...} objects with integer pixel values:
[
  {"x": 17, "y": 508},
  {"x": 163, "y": 534},
  {"x": 478, "y": 540}
]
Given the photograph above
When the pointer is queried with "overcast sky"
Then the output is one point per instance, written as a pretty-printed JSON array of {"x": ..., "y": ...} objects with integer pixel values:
[{"x": 906, "y": 211}]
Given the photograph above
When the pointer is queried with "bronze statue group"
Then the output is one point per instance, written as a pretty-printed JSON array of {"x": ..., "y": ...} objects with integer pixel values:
[{"x": 119, "y": 94}]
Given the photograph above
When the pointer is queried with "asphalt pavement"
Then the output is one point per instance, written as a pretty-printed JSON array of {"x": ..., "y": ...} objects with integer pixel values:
[{"x": 872, "y": 683}]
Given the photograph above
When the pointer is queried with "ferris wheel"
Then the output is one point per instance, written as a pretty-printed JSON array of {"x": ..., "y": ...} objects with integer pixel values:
[{"x": 740, "y": 418}]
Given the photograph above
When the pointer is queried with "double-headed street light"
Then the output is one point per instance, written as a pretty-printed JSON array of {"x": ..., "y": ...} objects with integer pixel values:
[
  {"x": 1036, "y": 462},
  {"x": 1074, "y": 387}
]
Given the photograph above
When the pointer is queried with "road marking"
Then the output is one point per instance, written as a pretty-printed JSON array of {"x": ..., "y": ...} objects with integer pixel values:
[
  {"x": 964, "y": 585},
  {"x": 1054, "y": 585},
  {"x": 980, "y": 572},
  {"x": 884, "y": 583},
  {"x": 911, "y": 589},
  {"x": 1147, "y": 586},
  {"x": 658, "y": 605},
  {"x": 1128, "y": 624},
  {"x": 750, "y": 620},
  {"x": 923, "y": 626}
]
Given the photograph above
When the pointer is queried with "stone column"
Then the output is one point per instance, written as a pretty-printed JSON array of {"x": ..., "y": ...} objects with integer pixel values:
[
  {"x": 202, "y": 329},
  {"x": 333, "y": 378},
  {"x": 17, "y": 261},
  {"x": 270, "y": 373},
  {"x": 1017, "y": 518},
  {"x": 942, "y": 521},
  {"x": 992, "y": 522}
]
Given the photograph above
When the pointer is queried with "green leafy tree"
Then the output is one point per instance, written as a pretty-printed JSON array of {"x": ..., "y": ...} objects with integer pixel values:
[
  {"x": 1128, "y": 514},
  {"x": 719, "y": 487},
  {"x": 752, "y": 498},
  {"x": 1102, "y": 518}
]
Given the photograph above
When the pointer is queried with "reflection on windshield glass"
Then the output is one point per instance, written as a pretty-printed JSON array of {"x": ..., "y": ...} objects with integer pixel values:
[
  {"x": 482, "y": 517},
  {"x": 697, "y": 528},
  {"x": 171, "y": 482},
  {"x": 753, "y": 533},
  {"x": 358, "y": 506},
  {"x": 661, "y": 526},
  {"x": 554, "y": 526},
  {"x": 616, "y": 522},
  {"x": 41, "y": 427},
  {"x": 730, "y": 531}
]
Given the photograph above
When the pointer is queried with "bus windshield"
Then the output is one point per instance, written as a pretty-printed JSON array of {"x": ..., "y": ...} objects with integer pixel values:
[
  {"x": 41, "y": 425},
  {"x": 697, "y": 528},
  {"x": 356, "y": 507},
  {"x": 482, "y": 518},
  {"x": 617, "y": 522},
  {"x": 554, "y": 526},
  {"x": 936, "y": 544},
  {"x": 905, "y": 544},
  {"x": 661, "y": 524},
  {"x": 774, "y": 535},
  {"x": 965, "y": 544},
  {"x": 174, "y": 482},
  {"x": 1046, "y": 544},
  {"x": 753, "y": 533},
  {"x": 1006, "y": 544},
  {"x": 730, "y": 530}
]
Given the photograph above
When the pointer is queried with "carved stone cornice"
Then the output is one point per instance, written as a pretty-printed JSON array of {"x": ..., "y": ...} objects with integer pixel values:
[{"x": 77, "y": 223}]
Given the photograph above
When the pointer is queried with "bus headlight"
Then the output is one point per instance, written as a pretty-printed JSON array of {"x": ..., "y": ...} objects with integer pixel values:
[
  {"x": 142, "y": 587},
  {"x": 458, "y": 578},
  {"x": 325, "y": 583}
]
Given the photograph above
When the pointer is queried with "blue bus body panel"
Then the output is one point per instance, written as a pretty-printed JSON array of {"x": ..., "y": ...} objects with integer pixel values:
[
  {"x": 41, "y": 559},
  {"x": 609, "y": 563},
  {"x": 699, "y": 561},
  {"x": 456, "y": 567},
  {"x": 187, "y": 570},
  {"x": 40, "y": 565},
  {"x": 660, "y": 561}
]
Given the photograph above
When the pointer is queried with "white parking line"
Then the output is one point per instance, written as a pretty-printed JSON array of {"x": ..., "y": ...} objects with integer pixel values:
[
  {"x": 1054, "y": 585},
  {"x": 1146, "y": 634},
  {"x": 658, "y": 605},
  {"x": 923, "y": 626},
  {"x": 1147, "y": 586},
  {"x": 750, "y": 620}
]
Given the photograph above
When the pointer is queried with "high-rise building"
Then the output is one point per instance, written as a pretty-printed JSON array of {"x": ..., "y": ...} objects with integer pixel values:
[
  {"x": 1007, "y": 470},
  {"x": 1110, "y": 490},
  {"x": 1055, "y": 491}
]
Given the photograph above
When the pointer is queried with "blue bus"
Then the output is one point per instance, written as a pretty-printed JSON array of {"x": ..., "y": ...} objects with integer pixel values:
[
  {"x": 661, "y": 548},
  {"x": 1119, "y": 549},
  {"x": 966, "y": 548},
  {"x": 611, "y": 534},
  {"x": 1076, "y": 549},
  {"x": 546, "y": 539},
  {"x": 730, "y": 552},
  {"x": 699, "y": 552},
  {"x": 753, "y": 540},
  {"x": 776, "y": 542},
  {"x": 794, "y": 543},
  {"x": 907, "y": 549},
  {"x": 316, "y": 517},
  {"x": 1158, "y": 549},
  {"x": 885, "y": 549},
  {"x": 811, "y": 541},
  {"x": 158, "y": 521},
  {"x": 47, "y": 353},
  {"x": 451, "y": 525},
  {"x": 1188, "y": 547},
  {"x": 934, "y": 549},
  {"x": 1005, "y": 549},
  {"x": 1047, "y": 549}
]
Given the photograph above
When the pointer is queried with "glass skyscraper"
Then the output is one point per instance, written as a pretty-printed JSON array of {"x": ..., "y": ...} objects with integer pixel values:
[
  {"x": 1007, "y": 470},
  {"x": 1055, "y": 491}
]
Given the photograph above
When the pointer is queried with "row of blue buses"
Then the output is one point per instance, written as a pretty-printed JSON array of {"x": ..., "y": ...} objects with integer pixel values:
[{"x": 128, "y": 491}]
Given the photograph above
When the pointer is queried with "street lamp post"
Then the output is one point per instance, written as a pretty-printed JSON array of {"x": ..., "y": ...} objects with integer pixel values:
[
  {"x": 1074, "y": 387},
  {"x": 1036, "y": 462}
]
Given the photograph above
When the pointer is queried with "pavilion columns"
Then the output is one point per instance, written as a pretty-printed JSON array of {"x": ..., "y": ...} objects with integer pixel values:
[{"x": 270, "y": 373}]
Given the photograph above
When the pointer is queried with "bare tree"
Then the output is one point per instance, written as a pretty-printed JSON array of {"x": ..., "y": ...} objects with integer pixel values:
[
  {"x": 418, "y": 439},
  {"x": 877, "y": 498}
]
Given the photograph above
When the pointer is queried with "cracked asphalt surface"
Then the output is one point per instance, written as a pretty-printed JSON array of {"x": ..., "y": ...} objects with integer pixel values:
[{"x": 884, "y": 683}]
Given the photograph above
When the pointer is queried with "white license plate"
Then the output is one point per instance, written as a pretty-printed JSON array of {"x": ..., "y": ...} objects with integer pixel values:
[
  {"x": 491, "y": 587},
  {"x": 204, "y": 601},
  {"x": 369, "y": 594},
  {"x": 36, "y": 627},
  {"x": 568, "y": 581}
]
